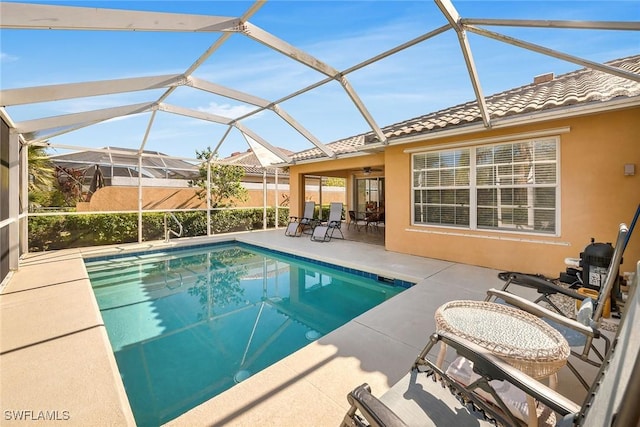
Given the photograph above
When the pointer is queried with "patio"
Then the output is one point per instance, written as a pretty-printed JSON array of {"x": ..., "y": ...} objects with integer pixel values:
[
  {"x": 56, "y": 359},
  {"x": 59, "y": 358},
  {"x": 370, "y": 235}
]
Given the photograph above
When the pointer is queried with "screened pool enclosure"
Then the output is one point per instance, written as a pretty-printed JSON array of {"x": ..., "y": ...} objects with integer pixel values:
[{"x": 158, "y": 121}]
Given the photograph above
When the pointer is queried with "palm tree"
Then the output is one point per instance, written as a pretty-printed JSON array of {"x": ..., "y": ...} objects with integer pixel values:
[{"x": 41, "y": 176}]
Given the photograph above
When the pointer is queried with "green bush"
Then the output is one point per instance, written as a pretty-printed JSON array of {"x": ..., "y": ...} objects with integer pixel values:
[{"x": 72, "y": 231}]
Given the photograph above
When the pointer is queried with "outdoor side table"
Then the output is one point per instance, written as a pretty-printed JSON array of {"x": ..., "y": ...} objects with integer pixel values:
[{"x": 519, "y": 338}]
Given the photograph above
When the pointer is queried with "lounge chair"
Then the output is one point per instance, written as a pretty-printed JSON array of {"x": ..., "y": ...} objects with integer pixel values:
[
  {"x": 582, "y": 332},
  {"x": 430, "y": 396},
  {"x": 324, "y": 232},
  {"x": 298, "y": 224}
]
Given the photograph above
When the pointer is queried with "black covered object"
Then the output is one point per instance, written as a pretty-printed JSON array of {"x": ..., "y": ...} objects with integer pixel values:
[{"x": 595, "y": 262}]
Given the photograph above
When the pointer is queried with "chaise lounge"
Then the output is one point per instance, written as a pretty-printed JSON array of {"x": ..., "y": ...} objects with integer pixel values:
[
  {"x": 324, "y": 232},
  {"x": 298, "y": 224},
  {"x": 430, "y": 396},
  {"x": 583, "y": 332}
]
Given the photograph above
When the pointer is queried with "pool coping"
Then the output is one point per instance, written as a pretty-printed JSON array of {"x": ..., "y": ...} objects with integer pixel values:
[
  {"x": 317, "y": 377},
  {"x": 386, "y": 279}
]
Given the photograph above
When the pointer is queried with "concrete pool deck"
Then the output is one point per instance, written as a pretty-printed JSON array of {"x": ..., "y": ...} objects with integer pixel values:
[{"x": 56, "y": 360}]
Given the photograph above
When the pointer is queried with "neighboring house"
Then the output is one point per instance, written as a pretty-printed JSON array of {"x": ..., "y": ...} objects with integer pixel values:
[
  {"x": 165, "y": 181},
  {"x": 558, "y": 165},
  {"x": 256, "y": 174},
  {"x": 119, "y": 167}
]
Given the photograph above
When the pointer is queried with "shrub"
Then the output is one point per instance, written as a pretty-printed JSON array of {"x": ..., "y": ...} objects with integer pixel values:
[{"x": 72, "y": 231}]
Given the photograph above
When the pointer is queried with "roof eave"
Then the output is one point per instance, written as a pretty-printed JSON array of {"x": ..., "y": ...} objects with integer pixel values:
[
  {"x": 520, "y": 119},
  {"x": 357, "y": 153}
]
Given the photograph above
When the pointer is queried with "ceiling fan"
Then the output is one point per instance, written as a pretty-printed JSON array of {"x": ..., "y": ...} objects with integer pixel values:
[{"x": 368, "y": 169}]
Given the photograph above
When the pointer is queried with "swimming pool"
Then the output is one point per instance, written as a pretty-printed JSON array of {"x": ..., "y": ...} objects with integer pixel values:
[{"x": 188, "y": 324}]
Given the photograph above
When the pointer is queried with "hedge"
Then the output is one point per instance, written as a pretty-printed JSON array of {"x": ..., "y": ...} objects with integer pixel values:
[{"x": 73, "y": 231}]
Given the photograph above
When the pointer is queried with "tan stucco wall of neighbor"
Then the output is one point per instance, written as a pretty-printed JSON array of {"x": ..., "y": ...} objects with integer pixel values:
[
  {"x": 126, "y": 198},
  {"x": 596, "y": 197}
]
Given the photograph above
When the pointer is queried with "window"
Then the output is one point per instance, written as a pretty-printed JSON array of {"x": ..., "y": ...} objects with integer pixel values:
[
  {"x": 441, "y": 188},
  {"x": 507, "y": 186}
]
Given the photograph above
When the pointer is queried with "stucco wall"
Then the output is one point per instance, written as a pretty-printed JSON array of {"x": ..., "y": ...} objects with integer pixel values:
[
  {"x": 126, "y": 198},
  {"x": 595, "y": 198}
]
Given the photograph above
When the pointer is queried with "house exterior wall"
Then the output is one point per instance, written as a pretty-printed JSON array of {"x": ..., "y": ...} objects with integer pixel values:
[{"x": 595, "y": 197}]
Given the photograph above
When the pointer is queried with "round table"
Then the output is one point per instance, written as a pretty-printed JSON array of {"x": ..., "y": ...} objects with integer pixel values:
[{"x": 519, "y": 338}]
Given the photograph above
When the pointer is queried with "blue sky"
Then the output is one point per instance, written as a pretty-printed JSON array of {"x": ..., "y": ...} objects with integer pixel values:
[{"x": 417, "y": 81}]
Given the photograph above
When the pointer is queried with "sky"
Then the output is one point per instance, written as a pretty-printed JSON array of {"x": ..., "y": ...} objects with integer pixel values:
[{"x": 422, "y": 79}]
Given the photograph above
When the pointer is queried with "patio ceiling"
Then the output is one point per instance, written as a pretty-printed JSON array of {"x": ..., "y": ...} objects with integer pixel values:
[{"x": 42, "y": 130}]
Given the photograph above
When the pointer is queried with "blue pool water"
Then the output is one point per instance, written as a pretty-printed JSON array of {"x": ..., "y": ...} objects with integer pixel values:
[{"x": 188, "y": 324}]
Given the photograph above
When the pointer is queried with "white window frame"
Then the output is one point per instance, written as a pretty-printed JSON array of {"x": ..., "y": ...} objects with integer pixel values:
[
  {"x": 473, "y": 186},
  {"x": 453, "y": 187}
]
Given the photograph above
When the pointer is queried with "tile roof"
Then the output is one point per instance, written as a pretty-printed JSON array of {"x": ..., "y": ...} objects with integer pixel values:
[
  {"x": 250, "y": 162},
  {"x": 343, "y": 146},
  {"x": 584, "y": 86}
]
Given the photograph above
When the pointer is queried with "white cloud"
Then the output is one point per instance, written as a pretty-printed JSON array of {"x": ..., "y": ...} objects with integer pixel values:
[
  {"x": 227, "y": 110},
  {"x": 5, "y": 57}
]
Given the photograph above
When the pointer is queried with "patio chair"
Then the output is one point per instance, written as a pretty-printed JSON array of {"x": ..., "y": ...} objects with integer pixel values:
[
  {"x": 324, "y": 232},
  {"x": 356, "y": 219},
  {"x": 582, "y": 332},
  {"x": 547, "y": 288},
  {"x": 375, "y": 219},
  {"x": 430, "y": 396},
  {"x": 297, "y": 225}
]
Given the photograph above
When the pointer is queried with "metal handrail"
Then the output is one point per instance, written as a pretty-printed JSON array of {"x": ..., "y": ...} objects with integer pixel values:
[
  {"x": 167, "y": 272},
  {"x": 168, "y": 231}
]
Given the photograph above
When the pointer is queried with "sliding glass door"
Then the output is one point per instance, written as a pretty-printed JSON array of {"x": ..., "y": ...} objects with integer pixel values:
[{"x": 369, "y": 194}]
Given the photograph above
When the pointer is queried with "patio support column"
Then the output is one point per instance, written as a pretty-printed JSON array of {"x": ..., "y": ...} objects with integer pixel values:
[
  {"x": 264, "y": 199},
  {"x": 320, "y": 195},
  {"x": 276, "y": 196},
  {"x": 14, "y": 200},
  {"x": 139, "y": 197},
  {"x": 24, "y": 199},
  {"x": 208, "y": 197}
]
